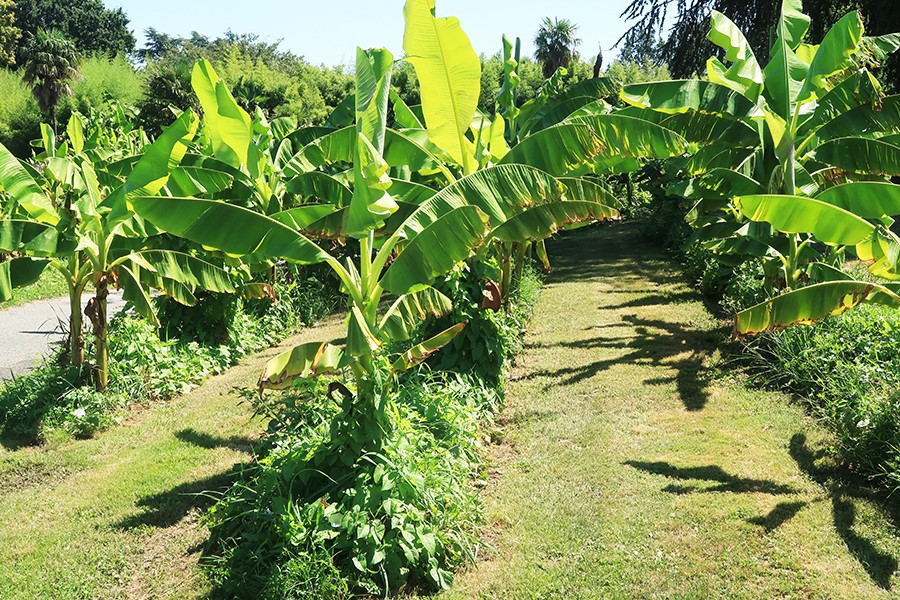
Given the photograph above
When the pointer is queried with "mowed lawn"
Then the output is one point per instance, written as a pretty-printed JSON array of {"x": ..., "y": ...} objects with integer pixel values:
[{"x": 633, "y": 464}]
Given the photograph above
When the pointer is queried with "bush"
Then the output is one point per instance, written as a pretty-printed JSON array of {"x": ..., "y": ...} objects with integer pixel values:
[{"x": 20, "y": 117}]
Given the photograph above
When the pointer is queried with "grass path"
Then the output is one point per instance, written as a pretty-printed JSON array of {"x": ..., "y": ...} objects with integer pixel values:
[
  {"x": 628, "y": 471},
  {"x": 117, "y": 516}
]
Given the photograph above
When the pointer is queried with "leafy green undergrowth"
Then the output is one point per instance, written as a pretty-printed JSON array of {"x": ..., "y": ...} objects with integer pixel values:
[
  {"x": 848, "y": 369},
  {"x": 56, "y": 400},
  {"x": 311, "y": 519}
]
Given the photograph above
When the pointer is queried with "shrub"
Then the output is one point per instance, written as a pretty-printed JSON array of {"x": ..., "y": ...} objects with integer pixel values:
[{"x": 199, "y": 342}]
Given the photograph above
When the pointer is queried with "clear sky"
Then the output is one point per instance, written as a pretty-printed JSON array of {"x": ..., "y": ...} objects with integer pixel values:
[{"x": 329, "y": 31}]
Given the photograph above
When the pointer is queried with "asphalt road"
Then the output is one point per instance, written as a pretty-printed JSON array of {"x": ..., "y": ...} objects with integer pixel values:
[{"x": 29, "y": 331}]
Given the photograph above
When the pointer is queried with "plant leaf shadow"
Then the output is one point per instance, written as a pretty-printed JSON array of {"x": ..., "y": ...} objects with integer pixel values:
[
  {"x": 843, "y": 490},
  {"x": 168, "y": 508},
  {"x": 238, "y": 443},
  {"x": 778, "y": 516},
  {"x": 679, "y": 348},
  {"x": 711, "y": 474}
]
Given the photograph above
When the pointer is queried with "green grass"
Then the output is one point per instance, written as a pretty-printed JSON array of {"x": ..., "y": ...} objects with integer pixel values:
[
  {"x": 116, "y": 516},
  {"x": 630, "y": 468},
  {"x": 50, "y": 285}
]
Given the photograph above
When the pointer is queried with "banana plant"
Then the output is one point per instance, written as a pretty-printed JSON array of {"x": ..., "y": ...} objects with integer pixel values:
[
  {"x": 77, "y": 221},
  {"x": 403, "y": 264},
  {"x": 774, "y": 146},
  {"x": 565, "y": 133}
]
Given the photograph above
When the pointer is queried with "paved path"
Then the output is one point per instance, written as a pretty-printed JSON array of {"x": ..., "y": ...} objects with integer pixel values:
[{"x": 28, "y": 331}]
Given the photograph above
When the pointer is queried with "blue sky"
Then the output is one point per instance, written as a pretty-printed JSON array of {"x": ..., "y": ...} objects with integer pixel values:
[{"x": 328, "y": 32}]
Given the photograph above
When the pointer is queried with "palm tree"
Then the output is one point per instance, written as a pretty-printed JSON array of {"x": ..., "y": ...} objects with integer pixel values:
[
  {"x": 555, "y": 44},
  {"x": 51, "y": 61}
]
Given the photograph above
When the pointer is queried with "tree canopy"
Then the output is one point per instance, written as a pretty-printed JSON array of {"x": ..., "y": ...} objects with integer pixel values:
[{"x": 91, "y": 26}]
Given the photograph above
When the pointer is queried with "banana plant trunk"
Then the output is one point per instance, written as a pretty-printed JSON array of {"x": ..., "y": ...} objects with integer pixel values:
[{"x": 96, "y": 312}]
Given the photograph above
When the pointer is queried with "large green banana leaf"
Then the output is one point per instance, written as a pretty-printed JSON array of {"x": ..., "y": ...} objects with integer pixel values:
[
  {"x": 436, "y": 250},
  {"x": 229, "y": 126},
  {"x": 674, "y": 97},
  {"x": 540, "y": 222},
  {"x": 371, "y": 203},
  {"x": 706, "y": 128},
  {"x": 796, "y": 214},
  {"x": 631, "y": 137},
  {"x": 579, "y": 188},
  {"x": 860, "y": 155},
  {"x": 19, "y": 272},
  {"x": 24, "y": 190},
  {"x": 870, "y": 200},
  {"x": 744, "y": 76},
  {"x": 322, "y": 187},
  {"x": 449, "y": 74},
  {"x": 307, "y": 360},
  {"x": 558, "y": 150},
  {"x": 420, "y": 353},
  {"x": 809, "y": 305},
  {"x": 197, "y": 181},
  {"x": 834, "y": 54},
  {"x": 864, "y": 121},
  {"x": 31, "y": 237},
  {"x": 196, "y": 273},
  {"x": 499, "y": 192},
  {"x": 408, "y": 312},
  {"x": 571, "y": 99},
  {"x": 231, "y": 229}
]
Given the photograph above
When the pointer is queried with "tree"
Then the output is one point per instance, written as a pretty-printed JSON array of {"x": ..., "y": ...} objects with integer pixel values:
[
  {"x": 555, "y": 44},
  {"x": 793, "y": 164},
  {"x": 90, "y": 25},
  {"x": 9, "y": 33},
  {"x": 50, "y": 63}
]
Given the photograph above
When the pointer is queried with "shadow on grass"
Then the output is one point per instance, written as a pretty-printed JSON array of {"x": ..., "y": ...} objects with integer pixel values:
[
  {"x": 238, "y": 443},
  {"x": 671, "y": 345},
  {"x": 168, "y": 508},
  {"x": 712, "y": 473},
  {"x": 613, "y": 254},
  {"x": 843, "y": 491}
]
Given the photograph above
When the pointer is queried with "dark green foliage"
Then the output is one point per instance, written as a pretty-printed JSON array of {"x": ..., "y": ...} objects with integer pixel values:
[
  {"x": 555, "y": 44},
  {"x": 50, "y": 62},
  {"x": 88, "y": 23},
  {"x": 168, "y": 87},
  {"x": 686, "y": 49},
  {"x": 491, "y": 338},
  {"x": 259, "y": 74}
]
